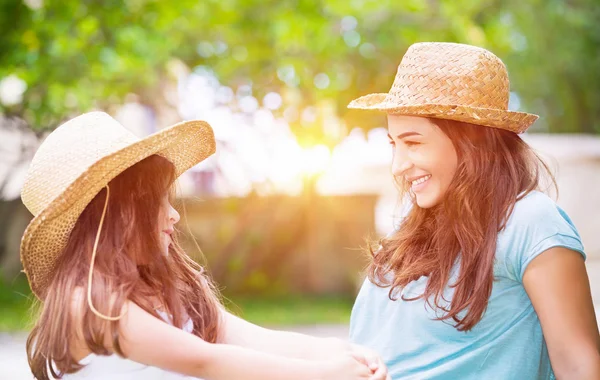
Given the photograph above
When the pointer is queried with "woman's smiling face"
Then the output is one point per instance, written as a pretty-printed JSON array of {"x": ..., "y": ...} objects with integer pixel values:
[{"x": 424, "y": 158}]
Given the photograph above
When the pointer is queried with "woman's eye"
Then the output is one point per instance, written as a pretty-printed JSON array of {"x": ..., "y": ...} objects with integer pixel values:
[{"x": 411, "y": 143}]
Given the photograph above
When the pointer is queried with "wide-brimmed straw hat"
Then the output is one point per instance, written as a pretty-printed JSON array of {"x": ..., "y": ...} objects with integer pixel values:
[
  {"x": 450, "y": 81},
  {"x": 79, "y": 159}
]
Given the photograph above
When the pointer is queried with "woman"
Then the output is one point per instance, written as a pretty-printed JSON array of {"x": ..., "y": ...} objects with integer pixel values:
[
  {"x": 120, "y": 299},
  {"x": 484, "y": 277}
]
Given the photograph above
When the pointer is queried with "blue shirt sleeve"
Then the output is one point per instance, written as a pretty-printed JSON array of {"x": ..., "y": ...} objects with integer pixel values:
[{"x": 536, "y": 225}]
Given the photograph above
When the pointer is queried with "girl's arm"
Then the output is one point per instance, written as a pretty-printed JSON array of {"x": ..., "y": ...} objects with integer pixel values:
[
  {"x": 558, "y": 286},
  {"x": 239, "y": 332},
  {"x": 147, "y": 340}
]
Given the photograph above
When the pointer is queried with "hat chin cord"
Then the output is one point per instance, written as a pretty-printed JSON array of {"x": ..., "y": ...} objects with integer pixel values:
[{"x": 94, "y": 251}]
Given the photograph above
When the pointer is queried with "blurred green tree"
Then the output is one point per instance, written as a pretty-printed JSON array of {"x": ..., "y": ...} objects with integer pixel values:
[{"x": 73, "y": 55}]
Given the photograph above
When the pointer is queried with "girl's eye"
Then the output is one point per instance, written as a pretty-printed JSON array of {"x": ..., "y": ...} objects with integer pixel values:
[
  {"x": 411, "y": 143},
  {"x": 392, "y": 143}
]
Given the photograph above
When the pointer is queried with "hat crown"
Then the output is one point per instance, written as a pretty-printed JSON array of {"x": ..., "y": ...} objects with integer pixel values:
[
  {"x": 68, "y": 152},
  {"x": 452, "y": 74}
]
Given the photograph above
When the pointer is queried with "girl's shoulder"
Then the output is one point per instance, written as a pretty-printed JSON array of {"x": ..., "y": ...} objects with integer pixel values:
[{"x": 77, "y": 344}]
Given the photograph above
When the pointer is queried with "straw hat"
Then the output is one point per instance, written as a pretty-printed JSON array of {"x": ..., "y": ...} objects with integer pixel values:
[
  {"x": 450, "y": 81},
  {"x": 75, "y": 162}
]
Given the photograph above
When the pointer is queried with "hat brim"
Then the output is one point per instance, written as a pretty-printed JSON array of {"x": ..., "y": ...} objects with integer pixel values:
[
  {"x": 516, "y": 122},
  {"x": 184, "y": 144}
]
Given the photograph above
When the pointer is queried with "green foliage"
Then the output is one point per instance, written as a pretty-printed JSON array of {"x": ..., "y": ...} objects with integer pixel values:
[
  {"x": 557, "y": 65},
  {"x": 74, "y": 55}
]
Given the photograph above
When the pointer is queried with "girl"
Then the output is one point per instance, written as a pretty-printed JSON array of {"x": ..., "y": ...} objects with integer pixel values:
[
  {"x": 121, "y": 300},
  {"x": 484, "y": 277}
]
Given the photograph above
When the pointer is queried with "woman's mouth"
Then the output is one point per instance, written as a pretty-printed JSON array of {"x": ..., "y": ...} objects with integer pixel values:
[{"x": 419, "y": 183}]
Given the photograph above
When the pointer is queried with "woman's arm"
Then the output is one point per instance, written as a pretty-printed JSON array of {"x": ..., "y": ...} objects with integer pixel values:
[
  {"x": 557, "y": 284},
  {"x": 147, "y": 340}
]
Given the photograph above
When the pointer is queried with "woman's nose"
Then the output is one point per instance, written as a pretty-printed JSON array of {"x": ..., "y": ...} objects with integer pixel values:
[{"x": 400, "y": 164}]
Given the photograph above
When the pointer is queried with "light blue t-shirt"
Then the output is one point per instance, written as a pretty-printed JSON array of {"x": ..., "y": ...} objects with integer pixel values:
[{"x": 506, "y": 344}]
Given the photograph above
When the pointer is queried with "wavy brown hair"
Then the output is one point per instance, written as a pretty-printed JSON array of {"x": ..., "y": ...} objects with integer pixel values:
[
  {"x": 495, "y": 169},
  {"x": 130, "y": 265}
]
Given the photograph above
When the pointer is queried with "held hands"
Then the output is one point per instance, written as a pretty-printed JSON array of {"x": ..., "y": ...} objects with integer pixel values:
[
  {"x": 372, "y": 360},
  {"x": 357, "y": 362}
]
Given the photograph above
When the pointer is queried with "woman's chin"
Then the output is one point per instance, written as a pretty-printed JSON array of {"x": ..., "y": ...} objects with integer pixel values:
[{"x": 427, "y": 200}]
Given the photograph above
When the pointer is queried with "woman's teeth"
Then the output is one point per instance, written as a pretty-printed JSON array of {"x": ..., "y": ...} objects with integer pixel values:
[{"x": 420, "y": 180}]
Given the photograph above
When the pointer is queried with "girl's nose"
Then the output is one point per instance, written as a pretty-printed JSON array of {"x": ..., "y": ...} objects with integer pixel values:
[{"x": 173, "y": 215}]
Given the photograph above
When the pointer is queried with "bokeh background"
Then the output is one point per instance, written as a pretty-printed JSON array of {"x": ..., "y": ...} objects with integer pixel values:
[{"x": 299, "y": 183}]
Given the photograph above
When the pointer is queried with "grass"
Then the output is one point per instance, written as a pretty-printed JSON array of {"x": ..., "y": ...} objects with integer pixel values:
[
  {"x": 293, "y": 310},
  {"x": 15, "y": 302},
  {"x": 16, "y": 298}
]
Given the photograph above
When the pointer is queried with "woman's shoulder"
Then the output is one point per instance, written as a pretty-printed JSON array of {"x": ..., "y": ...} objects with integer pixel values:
[
  {"x": 536, "y": 208},
  {"x": 538, "y": 214},
  {"x": 536, "y": 224},
  {"x": 535, "y": 200}
]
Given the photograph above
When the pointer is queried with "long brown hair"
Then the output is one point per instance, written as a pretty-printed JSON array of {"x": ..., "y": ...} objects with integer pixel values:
[
  {"x": 130, "y": 265},
  {"x": 495, "y": 169}
]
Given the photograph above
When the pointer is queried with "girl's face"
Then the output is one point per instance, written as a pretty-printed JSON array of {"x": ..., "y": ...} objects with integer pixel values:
[
  {"x": 424, "y": 158},
  {"x": 169, "y": 217}
]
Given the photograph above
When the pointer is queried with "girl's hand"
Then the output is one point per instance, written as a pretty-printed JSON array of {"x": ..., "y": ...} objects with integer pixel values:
[
  {"x": 371, "y": 359},
  {"x": 346, "y": 367}
]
